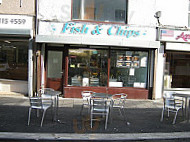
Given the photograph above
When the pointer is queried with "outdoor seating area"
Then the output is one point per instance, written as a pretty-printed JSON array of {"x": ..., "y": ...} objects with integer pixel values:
[
  {"x": 120, "y": 115},
  {"x": 102, "y": 106}
]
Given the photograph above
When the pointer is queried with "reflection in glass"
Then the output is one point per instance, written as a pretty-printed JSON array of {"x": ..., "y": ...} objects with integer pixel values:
[
  {"x": 177, "y": 68},
  {"x": 128, "y": 69},
  {"x": 100, "y": 10},
  {"x": 54, "y": 64},
  {"x": 87, "y": 67},
  {"x": 14, "y": 60}
]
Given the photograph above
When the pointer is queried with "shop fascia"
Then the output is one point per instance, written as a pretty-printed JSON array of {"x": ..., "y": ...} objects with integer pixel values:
[
  {"x": 174, "y": 35},
  {"x": 97, "y": 30}
]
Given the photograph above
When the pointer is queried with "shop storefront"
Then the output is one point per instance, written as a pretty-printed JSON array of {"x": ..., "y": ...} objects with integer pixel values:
[
  {"x": 77, "y": 56},
  {"x": 16, "y": 39},
  {"x": 177, "y": 59}
]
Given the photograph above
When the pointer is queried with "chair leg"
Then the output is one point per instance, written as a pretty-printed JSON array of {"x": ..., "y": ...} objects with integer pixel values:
[
  {"x": 43, "y": 117},
  {"x": 120, "y": 111},
  {"x": 168, "y": 113},
  {"x": 38, "y": 113},
  {"x": 162, "y": 116},
  {"x": 110, "y": 114},
  {"x": 52, "y": 113},
  {"x": 29, "y": 116},
  {"x": 91, "y": 117},
  {"x": 124, "y": 116},
  {"x": 106, "y": 123},
  {"x": 175, "y": 118}
]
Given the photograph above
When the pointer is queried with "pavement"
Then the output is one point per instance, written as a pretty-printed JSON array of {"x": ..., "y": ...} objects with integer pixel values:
[{"x": 142, "y": 122}]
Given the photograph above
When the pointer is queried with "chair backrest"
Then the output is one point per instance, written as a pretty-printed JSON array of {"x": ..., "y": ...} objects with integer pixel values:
[
  {"x": 169, "y": 99},
  {"x": 119, "y": 100},
  {"x": 44, "y": 91},
  {"x": 99, "y": 103},
  {"x": 86, "y": 95},
  {"x": 36, "y": 102}
]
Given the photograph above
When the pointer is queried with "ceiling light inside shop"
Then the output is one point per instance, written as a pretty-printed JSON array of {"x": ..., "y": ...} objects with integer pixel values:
[
  {"x": 14, "y": 47},
  {"x": 6, "y": 41}
]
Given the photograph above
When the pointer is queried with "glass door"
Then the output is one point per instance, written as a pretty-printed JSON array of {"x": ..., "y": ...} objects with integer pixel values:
[{"x": 55, "y": 70}]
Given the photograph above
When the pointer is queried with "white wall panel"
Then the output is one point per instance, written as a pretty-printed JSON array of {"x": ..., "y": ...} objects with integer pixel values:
[
  {"x": 54, "y": 10},
  {"x": 141, "y": 12},
  {"x": 174, "y": 12}
]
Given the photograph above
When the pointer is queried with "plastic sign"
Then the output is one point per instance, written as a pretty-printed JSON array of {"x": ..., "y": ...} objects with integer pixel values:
[
  {"x": 15, "y": 22},
  {"x": 174, "y": 35},
  {"x": 82, "y": 30}
]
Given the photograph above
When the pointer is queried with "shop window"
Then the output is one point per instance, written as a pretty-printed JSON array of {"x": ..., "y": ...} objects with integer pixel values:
[
  {"x": 100, "y": 10},
  {"x": 14, "y": 60},
  {"x": 87, "y": 67},
  {"x": 128, "y": 69},
  {"x": 177, "y": 70}
]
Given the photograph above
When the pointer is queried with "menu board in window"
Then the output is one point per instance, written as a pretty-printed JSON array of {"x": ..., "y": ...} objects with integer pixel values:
[
  {"x": 127, "y": 61},
  {"x": 124, "y": 61}
]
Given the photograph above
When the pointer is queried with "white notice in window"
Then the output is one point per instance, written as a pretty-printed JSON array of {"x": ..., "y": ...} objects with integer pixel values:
[
  {"x": 143, "y": 62},
  {"x": 132, "y": 71}
]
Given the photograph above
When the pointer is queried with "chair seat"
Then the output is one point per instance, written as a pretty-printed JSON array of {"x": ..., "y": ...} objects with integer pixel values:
[
  {"x": 100, "y": 109},
  {"x": 174, "y": 107}
]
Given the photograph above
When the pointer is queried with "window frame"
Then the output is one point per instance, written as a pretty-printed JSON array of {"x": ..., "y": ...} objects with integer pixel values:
[{"x": 189, "y": 14}]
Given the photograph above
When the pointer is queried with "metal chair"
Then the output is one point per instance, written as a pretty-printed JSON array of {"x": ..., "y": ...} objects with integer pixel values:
[
  {"x": 45, "y": 93},
  {"x": 171, "y": 105},
  {"x": 118, "y": 101},
  {"x": 99, "y": 107},
  {"x": 86, "y": 95},
  {"x": 37, "y": 103}
]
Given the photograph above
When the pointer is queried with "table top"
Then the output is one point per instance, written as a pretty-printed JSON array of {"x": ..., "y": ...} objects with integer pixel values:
[
  {"x": 186, "y": 95},
  {"x": 52, "y": 93},
  {"x": 102, "y": 95}
]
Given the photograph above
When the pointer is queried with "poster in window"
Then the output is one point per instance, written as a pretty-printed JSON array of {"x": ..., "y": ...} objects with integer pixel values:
[{"x": 143, "y": 62}]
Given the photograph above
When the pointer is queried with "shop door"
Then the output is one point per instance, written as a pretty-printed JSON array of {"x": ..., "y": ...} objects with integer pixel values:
[{"x": 55, "y": 70}]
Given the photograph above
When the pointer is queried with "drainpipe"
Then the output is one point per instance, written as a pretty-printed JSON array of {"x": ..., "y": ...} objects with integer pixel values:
[{"x": 30, "y": 66}]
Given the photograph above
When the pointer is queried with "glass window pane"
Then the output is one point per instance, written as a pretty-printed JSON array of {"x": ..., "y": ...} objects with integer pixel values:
[
  {"x": 54, "y": 64},
  {"x": 128, "y": 69},
  {"x": 189, "y": 19},
  {"x": 76, "y": 9},
  {"x": 87, "y": 67},
  {"x": 14, "y": 60},
  {"x": 100, "y": 10},
  {"x": 177, "y": 69},
  {"x": 189, "y": 5}
]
